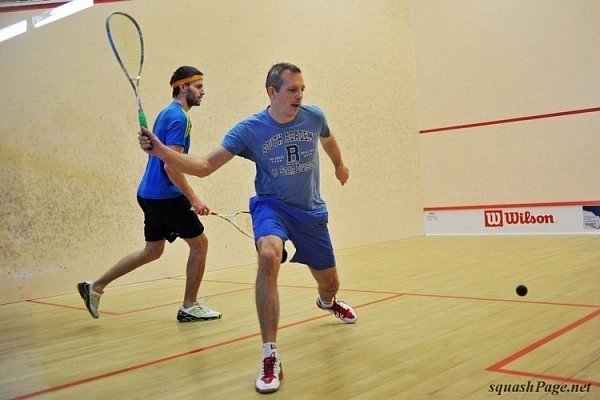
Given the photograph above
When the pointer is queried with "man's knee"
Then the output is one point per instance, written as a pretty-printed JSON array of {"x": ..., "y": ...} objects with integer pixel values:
[
  {"x": 269, "y": 255},
  {"x": 270, "y": 251},
  {"x": 327, "y": 278},
  {"x": 154, "y": 250},
  {"x": 199, "y": 243}
]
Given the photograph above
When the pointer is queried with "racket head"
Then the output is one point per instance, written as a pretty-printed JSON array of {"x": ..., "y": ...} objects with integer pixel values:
[
  {"x": 241, "y": 220},
  {"x": 127, "y": 43}
]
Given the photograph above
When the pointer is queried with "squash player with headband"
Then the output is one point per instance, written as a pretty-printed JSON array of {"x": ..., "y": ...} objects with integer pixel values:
[{"x": 169, "y": 204}]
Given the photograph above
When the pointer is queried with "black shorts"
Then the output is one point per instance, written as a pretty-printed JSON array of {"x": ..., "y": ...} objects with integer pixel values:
[{"x": 169, "y": 219}]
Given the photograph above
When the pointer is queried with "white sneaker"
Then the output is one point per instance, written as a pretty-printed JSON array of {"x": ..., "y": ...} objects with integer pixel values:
[
  {"x": 91, "y": 298},
  {"x": 197, "y": 312},
  {"x": 270, "y": 375}
]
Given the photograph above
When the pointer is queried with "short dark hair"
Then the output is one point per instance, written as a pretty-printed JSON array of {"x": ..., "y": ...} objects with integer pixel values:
[
  {"x": 182, "y": 73},
  {"x": 274, "y": 75}
]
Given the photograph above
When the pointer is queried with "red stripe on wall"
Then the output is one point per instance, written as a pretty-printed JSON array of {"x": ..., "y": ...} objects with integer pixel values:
[
  {"x": 514, "y": 205},
  {"x": 38, "y": 6},
  {"x": 511, "y": 120}
]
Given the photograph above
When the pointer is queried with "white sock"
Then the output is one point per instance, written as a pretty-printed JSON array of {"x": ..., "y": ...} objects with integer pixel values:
[
  {"x": 269, "y": 348},
  {"x": 92, "y": 290},
  {"x": 326, "y": 304}
]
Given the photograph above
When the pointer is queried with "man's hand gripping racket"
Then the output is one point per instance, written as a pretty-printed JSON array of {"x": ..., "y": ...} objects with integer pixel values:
[{"x": 148, "y": 140}]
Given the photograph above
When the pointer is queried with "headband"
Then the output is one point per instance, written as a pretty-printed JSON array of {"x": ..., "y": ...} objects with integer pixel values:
[{"x": 183, "y": 81}]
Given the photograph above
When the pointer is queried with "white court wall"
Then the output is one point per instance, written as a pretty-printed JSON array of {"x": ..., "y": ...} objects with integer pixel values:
[
  {"x": 382, "y": 70},
  {"x": 69, "y": 161},
  {"x": 482, "y": 61}
]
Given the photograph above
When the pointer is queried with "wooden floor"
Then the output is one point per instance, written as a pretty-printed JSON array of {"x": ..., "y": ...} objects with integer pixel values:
[{"x": 438, "y": 319}]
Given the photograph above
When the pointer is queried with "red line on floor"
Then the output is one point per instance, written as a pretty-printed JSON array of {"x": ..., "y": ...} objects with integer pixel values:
[
  {"x": 546, "y": 303},
  {"x": 176, "y": 356},
  {"x": 394, "y": 293},
  {"x": 548, "y": 377},
  {"x": 499, "y": 366},
  {"x": 118, "y": 313},
  {"x": 177, "y": 302},
  {"x": 47, "y": 303},
  {"x": 134, "y": 367}
]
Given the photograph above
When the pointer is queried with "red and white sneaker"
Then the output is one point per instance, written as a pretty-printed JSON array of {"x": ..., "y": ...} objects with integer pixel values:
[
  {"x": 341, "y": 310},
  {"x": 270, "y": 375}
]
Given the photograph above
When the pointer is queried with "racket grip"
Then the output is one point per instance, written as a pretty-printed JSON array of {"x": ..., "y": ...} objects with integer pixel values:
[
  {"x": 143, "y": 122},
  {"x": 142, "y": 119}
]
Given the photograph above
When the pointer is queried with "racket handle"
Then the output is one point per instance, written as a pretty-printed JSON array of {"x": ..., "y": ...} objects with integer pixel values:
[
  {"x": 142, "y": 119},
  {"x": 143, "y": 122}
]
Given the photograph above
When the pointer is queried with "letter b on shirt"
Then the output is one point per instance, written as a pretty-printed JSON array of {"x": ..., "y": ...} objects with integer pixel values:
[{"x": 293, "y": 154}]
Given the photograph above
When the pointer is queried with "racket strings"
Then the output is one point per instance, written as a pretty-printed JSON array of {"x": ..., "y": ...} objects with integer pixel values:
[
  {"x": 127, "y": 43},
  {"x": 244, "y": 222}
]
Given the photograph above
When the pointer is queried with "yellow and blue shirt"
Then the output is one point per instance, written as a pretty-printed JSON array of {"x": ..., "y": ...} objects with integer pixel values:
[{"x": 173, "y": 127}]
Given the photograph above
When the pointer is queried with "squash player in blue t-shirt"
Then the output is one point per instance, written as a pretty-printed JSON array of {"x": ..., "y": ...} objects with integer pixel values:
[
  {"x": 170, "y": 206},
  {"x": 283, "y": 142}
]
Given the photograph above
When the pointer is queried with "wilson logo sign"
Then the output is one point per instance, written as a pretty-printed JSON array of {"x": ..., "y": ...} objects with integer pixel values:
[{"x": 499, "y": 218}]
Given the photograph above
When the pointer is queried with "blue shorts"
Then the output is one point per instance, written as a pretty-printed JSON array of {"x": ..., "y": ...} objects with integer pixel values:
[{"x": 307, "y": 230}]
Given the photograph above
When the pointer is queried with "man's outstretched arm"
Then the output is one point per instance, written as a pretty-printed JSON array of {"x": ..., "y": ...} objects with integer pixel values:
[{"x": 186, "y": 163}]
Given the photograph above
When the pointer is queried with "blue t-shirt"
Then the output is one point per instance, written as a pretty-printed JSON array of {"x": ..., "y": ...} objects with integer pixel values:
[
  {"x": 172, "y": 126},
  {"x": 286, "y": 155}
]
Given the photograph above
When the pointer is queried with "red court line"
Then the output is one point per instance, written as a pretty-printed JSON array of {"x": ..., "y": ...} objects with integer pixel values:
[
  {"x": 178, "y": 355},
  {"x": 134, "y": 367},
  {"x": 117, "y": 313},
  {"x": 394, "y": 293},
  {"x": 327, "y": 315},
  {"x": 47, "y": 303},
  {"x": 545, "y": 303},
  {"x": 511, "y": 120},
  {"x": 499, "y": 366},
  {"x": 176, "y": 302},
  {"x": 515, "y": 205},
  {"x": 548, "y": 377}
]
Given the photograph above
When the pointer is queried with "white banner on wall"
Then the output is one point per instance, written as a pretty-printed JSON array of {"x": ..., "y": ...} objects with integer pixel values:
[{"x": 497, "y": 220}]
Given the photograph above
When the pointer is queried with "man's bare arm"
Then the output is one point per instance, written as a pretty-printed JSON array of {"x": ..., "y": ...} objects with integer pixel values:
[
  {"x": 332, "y": 149},
  {"x": 186, "y": 163}
]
